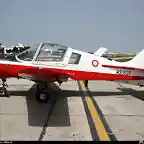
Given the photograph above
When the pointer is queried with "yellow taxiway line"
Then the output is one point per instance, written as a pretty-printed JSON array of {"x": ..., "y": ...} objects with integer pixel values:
[{"x": 102, "y": 134}]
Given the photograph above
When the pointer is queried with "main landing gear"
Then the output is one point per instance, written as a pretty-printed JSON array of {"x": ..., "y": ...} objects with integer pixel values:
[
  {"x": 3, "y": 90},
  {"x": 43, "y": 92}
]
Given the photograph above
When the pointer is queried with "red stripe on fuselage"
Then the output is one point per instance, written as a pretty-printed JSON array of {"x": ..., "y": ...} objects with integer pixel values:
[
  {"x": 47, "y": 73},
  {"x": 122, "y": 67}
]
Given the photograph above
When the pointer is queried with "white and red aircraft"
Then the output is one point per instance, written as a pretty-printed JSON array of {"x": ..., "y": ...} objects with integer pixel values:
[{"x": 53, "y": 62}]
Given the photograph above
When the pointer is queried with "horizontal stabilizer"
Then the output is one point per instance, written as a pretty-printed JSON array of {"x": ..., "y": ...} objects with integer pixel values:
[{"x": 100, "y": 51}]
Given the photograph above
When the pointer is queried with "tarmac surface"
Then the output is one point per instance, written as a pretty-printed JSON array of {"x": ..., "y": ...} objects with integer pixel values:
[{"x": 105, "y": 111}]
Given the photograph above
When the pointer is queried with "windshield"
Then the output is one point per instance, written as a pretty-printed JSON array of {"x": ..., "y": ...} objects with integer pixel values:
[
  {"x": 50, "y": 52},
  {"x": 27, "y": 55}
]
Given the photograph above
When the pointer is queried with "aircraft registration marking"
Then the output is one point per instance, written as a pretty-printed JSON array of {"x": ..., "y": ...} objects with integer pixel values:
[
  {"x": 123, "y": 72},
  {"x": 95, "y": 63}
]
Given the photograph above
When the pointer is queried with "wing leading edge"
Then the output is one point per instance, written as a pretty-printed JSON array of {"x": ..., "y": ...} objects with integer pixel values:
[{"x": 44, "y": 74}]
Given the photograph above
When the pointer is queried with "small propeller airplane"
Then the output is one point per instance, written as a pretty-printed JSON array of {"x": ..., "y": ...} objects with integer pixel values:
[{"x": 50, "y": 62}]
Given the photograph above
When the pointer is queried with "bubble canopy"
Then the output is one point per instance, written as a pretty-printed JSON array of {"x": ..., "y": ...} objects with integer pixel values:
[{"x": 44, "y": 52}]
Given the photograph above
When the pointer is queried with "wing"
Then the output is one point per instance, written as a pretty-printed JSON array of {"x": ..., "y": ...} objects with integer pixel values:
[{"x": 43, "y": 74}]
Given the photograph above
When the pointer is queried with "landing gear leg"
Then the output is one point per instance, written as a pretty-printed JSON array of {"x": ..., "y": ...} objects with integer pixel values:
[
  {"x": 3, "y": 90},
  {"x": 42, "y": 94}
]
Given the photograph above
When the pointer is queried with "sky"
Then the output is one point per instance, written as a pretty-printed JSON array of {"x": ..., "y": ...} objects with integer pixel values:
[{"x": 81, "y": 24}]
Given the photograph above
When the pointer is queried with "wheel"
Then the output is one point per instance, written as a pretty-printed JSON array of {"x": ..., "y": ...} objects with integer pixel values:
[
  {"x": 42, "y": 97},
  {"x": 3, "y": 92}
]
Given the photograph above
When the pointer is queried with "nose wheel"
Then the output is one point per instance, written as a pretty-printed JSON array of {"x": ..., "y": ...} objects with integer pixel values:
[{"x": 42, "y": 95}]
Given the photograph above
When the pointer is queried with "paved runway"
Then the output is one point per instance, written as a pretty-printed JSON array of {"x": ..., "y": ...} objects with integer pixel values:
[{"x": 104, "y": 111}]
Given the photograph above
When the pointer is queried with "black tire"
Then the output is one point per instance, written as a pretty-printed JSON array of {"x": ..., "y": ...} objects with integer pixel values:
[{"x": 42, "y": 99}]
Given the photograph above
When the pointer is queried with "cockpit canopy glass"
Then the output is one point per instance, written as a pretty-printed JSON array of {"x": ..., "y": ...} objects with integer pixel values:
[
  {"x": 47, "y": 52},
  {"x": 27, "y": 55},
  {"x": 51, "y": 52}
]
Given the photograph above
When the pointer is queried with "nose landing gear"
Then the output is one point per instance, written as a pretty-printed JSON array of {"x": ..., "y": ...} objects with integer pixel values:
[{"x": 43, "y": 93}]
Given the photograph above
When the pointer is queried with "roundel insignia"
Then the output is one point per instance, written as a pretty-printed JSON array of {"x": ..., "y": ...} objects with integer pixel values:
[{"x": 95, "y": 63}]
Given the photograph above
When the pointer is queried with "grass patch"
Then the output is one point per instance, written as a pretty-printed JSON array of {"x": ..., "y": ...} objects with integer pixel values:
[
  {"x": 123, "y": 60},
  {"x": 120, "y": 56}
]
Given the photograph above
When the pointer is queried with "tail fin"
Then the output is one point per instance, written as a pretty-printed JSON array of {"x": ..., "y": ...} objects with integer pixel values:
[
  {"x": 138, "y": 60},
  {"x": 100, "y": 51}
]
